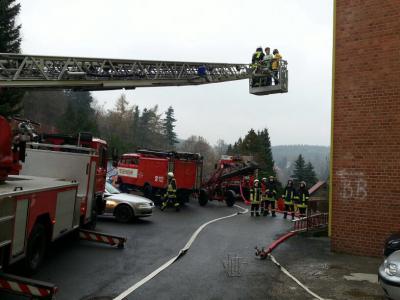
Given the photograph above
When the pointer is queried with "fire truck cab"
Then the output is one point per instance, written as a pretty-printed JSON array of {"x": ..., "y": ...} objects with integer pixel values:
[{"x": 147, "y": 171}]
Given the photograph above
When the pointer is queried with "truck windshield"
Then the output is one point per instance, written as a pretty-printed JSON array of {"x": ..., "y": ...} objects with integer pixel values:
[{"x": 111, "y": 189}]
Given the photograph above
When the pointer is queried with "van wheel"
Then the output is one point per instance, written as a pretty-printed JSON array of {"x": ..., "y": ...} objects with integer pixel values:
[
  {"x": 123, "y": 213},
  {"x": 230, "y": 198},
  {"x": 203, "y": 197},
  {"x": 36, "y": 249}
]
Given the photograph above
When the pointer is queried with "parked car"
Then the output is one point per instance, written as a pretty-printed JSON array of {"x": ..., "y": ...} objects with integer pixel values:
[
  {"x": 389, "y": 276},
  {"x": 392, "y": 244},
  {"x": 126, "y": 207}
]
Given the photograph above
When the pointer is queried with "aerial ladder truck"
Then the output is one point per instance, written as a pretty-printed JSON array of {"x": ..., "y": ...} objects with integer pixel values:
[{"x": 22, "y": 235}]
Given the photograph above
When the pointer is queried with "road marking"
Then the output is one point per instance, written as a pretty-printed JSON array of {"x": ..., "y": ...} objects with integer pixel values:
[{"x": 182, "y": 252}]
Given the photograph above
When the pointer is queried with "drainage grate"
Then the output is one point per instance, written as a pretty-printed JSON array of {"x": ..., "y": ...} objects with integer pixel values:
[{"x": 232, "y": 265}]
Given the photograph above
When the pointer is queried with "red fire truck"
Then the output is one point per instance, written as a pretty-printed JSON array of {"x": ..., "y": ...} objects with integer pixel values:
[
  {"x": 85, "y": 140},
  {"x": 147, "y": 170},
  {"x": 52, "y": 195},
  {"x": 228, "y": 182}
]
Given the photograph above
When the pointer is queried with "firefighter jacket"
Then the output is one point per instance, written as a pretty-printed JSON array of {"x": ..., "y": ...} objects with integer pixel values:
[
  {"x": 275, "y": 61},
  {"x": 289, "y": 195},
  {"x": 302, "y": 197},
  {"x": 263, "y": 191},
  {"x": 257, "y": 57},
  {"x": 171, "y": 189},
  {"x": 271, "y": 191},
  {"x": 255, "y": 195}
]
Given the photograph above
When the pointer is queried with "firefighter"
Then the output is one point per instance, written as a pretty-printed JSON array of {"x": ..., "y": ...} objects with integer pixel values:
[
  {"x": 255, "y": 198},
  {"x": 289, "y": 196},
  {"x": 170, "y": 193},
  {"x": 263, "y": 196},
  {"x": 271, "y": 196},
  {"x": 302, "y": 199},
  {"x": 275, "y": 65},
  {"x": 256, "y": 59},
  {"x": 246, "y": 188}
]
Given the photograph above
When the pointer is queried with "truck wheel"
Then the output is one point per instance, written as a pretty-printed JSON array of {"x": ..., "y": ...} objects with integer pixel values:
[
  {"x": 148, "y": 191},
  {"x": 230, "y": 198},
  {"x": 35, "y": 249},
  {"x": 203, "y": 197},
  {"x": 123, "y": 213}
]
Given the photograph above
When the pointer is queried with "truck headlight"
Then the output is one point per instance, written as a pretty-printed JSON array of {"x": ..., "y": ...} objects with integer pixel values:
[{"x": 390, "y": 269}]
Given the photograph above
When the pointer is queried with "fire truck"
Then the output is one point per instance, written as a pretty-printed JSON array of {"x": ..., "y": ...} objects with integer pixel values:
[
  {"x": 231, "y": 180},
  {"x": 85, "y": 140},
  {"x": 147, "y": 170},
  {"x": 52, "y": 196}
]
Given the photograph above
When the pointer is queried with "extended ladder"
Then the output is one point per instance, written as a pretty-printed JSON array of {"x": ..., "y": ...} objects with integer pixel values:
[{"x": 85, "y": 73}]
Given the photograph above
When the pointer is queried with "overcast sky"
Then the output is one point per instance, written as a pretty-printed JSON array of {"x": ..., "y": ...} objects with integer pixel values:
[{"x": 208, "y": 30}]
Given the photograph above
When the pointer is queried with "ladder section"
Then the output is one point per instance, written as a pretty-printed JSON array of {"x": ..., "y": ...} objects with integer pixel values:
[{"x": 36, "y": 71}]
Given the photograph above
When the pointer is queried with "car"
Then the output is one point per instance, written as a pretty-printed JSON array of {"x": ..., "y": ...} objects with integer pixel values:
[
  {"x": 392, "y": 244},
  {"x": 126, "y": 207},
  {"x": 389, "y": 275}
]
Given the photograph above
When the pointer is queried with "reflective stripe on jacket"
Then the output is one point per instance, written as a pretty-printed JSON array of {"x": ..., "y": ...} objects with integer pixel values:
[
  {"x": 171, "y": 189},
  {"x": 289, "y": 195},
  {"x": 302, "y": 198},
  {"x": 255, "y": 195}
]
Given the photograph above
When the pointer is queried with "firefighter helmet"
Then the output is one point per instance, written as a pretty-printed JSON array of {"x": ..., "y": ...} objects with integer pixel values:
[
  {"x": 256, "y": 182},
  {"x": 271, "y": 177},
  {"x": 170, "y": 174},
  {"x": 264, "y": 179},
  {"x": 303, "y": 183}
]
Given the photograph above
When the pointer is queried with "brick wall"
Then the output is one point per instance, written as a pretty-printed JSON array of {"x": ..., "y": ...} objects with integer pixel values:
[{"x": 366, "y": 131}]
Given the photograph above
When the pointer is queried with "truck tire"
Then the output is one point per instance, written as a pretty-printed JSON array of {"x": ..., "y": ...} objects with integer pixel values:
[
  {"x": 203, "y": 197},
  {"x": 35, "y": 249},
  {"x": 148, "y": 191},
  {"x": 230, "y": 197},
  {"x": 123, "y": 213}
]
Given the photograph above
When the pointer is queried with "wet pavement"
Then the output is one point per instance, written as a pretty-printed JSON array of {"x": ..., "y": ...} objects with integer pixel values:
[{"x": 85, "y": 270}]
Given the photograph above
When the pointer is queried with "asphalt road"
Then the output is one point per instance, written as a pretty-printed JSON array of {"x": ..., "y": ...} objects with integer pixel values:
[{"x": 89, "y": 271}]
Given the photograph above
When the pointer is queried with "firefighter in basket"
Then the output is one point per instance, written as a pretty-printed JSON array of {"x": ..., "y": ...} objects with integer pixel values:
[
  {"x": 170, "y": 193},
  {"x": 302, "y": 199},
  {"x": 271, "y": 196},
  {"x": 288, "y": 196},
  {"x": 255, "y": 199}
]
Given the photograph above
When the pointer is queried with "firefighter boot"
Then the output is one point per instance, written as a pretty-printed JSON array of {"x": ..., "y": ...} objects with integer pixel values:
[
  {"x": 163, "y": 205},
  {"x": 285, "y": 215},
  {"x": 177, "y": 206},
  {"x": 292, "y": 216},
  {"x": 273, "y": 214}
]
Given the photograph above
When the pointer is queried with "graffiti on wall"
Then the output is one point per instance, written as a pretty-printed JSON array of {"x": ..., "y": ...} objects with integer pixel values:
[{"x": 352, "y": 185}]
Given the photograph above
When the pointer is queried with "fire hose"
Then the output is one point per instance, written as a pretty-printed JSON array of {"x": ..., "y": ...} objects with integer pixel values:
[
  {"x": 267, "y": 254},
  {"x": 181, "y": 253}
]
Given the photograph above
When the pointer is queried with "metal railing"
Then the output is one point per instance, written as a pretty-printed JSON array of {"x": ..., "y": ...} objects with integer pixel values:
[{"x": 310, "y": 222}]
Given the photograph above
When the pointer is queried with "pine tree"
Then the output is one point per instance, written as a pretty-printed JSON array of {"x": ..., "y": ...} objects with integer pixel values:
[
  {"x": 79, "y": 115},
  {"x": 299, "y": 170},
  {"x": 169, "y": 125},
  {"x": 135, "y": 127},
  {"x": 310, "y": 176},
  {"x": 265, "y": 154},
  {"x": 10, "y": 42}
]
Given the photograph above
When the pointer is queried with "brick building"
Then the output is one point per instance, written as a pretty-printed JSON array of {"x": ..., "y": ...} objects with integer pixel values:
[{"x": 366, "y": 126}]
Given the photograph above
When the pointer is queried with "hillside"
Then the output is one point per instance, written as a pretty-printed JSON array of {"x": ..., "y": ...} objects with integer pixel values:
[{"x": 284, "y": 157}]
